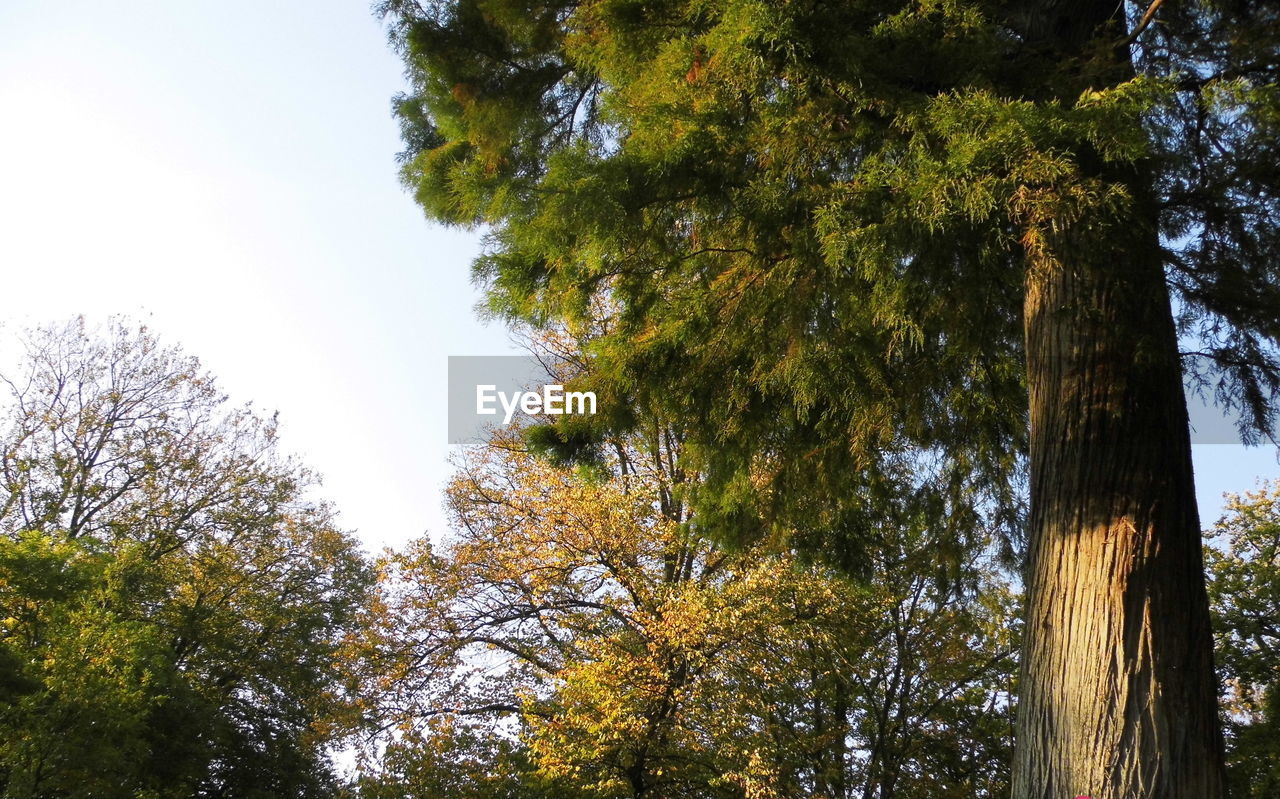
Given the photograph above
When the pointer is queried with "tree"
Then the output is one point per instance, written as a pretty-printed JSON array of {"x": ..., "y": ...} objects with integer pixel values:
[
  {"x": 835, "y": 239},
  {"x": 446, "y": 759},
  {"x": 173, "y": 603},
  {"x": 571, "y": 638},
  {"x": 1244, "y": 589}
]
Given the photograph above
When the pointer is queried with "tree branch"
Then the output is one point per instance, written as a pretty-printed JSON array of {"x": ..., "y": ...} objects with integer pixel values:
[{"x": 1146, "y": 20}]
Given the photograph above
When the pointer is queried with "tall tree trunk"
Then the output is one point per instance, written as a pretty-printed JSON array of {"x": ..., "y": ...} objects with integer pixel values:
[{"x": 1118, "y": 696}]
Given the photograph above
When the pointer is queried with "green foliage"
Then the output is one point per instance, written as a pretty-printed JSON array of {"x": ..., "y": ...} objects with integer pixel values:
[
  {"x": 809, "y": 227},
  {"x": 560, "y": 446},
  {"x": 445, "y": 759},
  {"x": 1216, "y": 143},
  {"x": 81, "y": 718},
  {"x": 172, "y": 604},
  {"x": 805, "y": 232},
  {"x": 1244, "y": 589},
  {"x": 1253, "y": 759}
]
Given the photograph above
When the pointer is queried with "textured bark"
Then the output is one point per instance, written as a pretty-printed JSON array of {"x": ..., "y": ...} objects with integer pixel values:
[
  {"x": 1118, "y": 697},
  {"x": 1118, "y": 690},
  {"x": 1118, "y": 693}
]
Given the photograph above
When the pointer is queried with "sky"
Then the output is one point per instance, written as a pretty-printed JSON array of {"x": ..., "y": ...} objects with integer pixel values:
[{"x": 225, "y": 172}]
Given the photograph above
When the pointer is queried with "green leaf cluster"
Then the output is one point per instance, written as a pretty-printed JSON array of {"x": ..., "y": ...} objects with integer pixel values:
[
  {"x": 172, "y": 605},
  {"x": 1244, "y": 567},
  {"x": 809, "y": 227}
]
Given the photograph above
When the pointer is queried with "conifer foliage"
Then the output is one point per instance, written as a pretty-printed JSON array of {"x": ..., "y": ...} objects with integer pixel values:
[{"x": 837, "y": 239}]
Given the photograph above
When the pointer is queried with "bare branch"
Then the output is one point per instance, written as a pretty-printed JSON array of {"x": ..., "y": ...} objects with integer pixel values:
[{"x": 1146, "y": 20}]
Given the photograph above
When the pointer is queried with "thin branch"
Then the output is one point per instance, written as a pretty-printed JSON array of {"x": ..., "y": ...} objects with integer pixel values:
[
  {"x": 1146, "y": 20},
  {"x": 496, "y": 707}
]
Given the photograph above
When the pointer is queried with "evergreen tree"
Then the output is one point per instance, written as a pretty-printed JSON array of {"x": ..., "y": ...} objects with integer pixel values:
[{"x": 842, "y": 239}]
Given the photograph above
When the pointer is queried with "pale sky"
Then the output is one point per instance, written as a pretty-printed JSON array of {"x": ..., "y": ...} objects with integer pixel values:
[{"x": 225, "y": 172}]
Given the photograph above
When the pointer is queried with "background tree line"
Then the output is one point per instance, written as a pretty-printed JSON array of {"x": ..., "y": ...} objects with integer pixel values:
[
  {"x": 575, "y": 619},
  {"x": 181, "y": 619}
]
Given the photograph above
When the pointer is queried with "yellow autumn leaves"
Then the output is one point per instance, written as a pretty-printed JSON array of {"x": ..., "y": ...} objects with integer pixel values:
[{"x": 621, "y": 654}]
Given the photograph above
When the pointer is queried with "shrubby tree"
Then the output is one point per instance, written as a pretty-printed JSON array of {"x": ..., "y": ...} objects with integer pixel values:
[
  {"x": 837, "y": 239},
  {"x": 172, "y": 600},
  {"x": 1244, "y": 588}
]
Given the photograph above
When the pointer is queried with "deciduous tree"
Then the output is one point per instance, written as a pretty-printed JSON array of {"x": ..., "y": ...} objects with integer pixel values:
[
  {"x": 1244, "y": 567},
  {"x": 572, "y": 637},
  {"x": 172, "y": 599}
]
